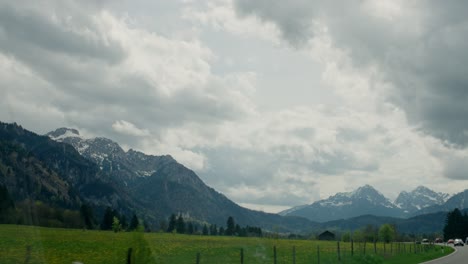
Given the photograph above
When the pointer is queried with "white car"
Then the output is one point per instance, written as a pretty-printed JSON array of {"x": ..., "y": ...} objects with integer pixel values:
[{"x": 458, "y": 242}]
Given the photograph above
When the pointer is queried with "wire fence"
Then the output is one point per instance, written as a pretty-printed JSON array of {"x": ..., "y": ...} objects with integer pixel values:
[{"x": 341, "y": 252}]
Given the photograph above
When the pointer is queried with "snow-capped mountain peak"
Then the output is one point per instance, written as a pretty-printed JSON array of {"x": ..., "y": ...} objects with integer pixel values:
[
  {"x": 419, "y": 198},
  {"x": 110, "y": 157},
  {"x": 363, "y": 200},
  {"x": 369, "y": 194}
]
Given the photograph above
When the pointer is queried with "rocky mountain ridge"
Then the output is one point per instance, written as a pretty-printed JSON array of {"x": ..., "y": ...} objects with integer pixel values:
[
  {"x": 106, "y": 176},
  {"x": 367, "y": 200},
  {"x": 364, "y": 200},
  {"x": 419, "y": 198}
]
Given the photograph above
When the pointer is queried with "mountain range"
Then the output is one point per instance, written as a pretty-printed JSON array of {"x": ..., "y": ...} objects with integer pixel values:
[
  {"x": 364, "y": 200},
  {"x": 420, "y": 198},
  {"x": 99, "y": 172},
  {"x": 368, "y": 201},
  {"x": 64, "y": 169}
]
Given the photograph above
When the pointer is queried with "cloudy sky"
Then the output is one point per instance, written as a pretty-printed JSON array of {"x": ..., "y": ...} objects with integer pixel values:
[{"x": 273, "y": 103}]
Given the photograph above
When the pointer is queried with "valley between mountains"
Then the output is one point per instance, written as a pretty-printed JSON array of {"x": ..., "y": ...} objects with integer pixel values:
[{"x": 64, "y": 169}]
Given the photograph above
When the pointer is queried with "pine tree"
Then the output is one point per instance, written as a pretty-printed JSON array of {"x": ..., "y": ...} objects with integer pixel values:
[
  {"x": 205, "y": 230},
  {"x": 146, "y": 226},
  {"x": 134, "y": 223},
  {"x": 172, "y": 223},
  {"x": 87, "y": 215},
  {"x": 6, "y": 205},
  {"x": 454, "y": 225},
  {"x": 213, "y": 230},
  {"x": 180, "y": 225},
  {"x": 242, "y": 232},
  {"x": 6, "y": 202},
  {"x": 107, "y": 219},
  {"x": 237, "y": 230},
  {"x": 123, "y": 222},
  {"x": 230, "y": 226},
  {"x": 190, "y": 228}
]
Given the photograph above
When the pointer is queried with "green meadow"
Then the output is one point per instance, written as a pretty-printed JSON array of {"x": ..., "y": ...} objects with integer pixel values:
[{"x": 38, "y": 245}]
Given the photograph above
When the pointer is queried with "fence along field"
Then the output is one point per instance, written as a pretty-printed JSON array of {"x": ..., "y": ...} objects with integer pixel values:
[{"x": 27, "y": 244}]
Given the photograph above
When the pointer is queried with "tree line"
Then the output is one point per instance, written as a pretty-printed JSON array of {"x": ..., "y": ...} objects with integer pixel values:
[
  {"x": 35, "y": 212},
  {"x": 30, "y": 212},
  {"x": 177, "y": 224},
  {"x": 386, "y": 233},
  {"x": 456, "y": 225}
]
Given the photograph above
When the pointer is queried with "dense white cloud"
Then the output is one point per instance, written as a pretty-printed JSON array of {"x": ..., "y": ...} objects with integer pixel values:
[
  {"x": 128, "y": 128},
  {"x": 417, "y": 46},
  {"x": 371, "y": 112},
  {"x": 221, "y": 16}
]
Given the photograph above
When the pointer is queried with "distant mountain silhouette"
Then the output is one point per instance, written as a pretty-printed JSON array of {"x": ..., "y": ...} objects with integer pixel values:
[{"x": 364, "y": 200}]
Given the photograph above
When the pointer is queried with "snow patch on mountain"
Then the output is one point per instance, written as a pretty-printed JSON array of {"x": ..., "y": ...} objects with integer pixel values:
[
  {"x": 420, "y": 198},
  {"x": 336, "y": 203},
  {"x": 146, "y": 173},
  {"x": 291, "y": 210},
  {"x": 109, "y": 156}
]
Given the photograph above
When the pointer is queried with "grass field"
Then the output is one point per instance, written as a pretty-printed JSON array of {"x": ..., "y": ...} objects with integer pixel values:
[{"x": 37, "y": 245}]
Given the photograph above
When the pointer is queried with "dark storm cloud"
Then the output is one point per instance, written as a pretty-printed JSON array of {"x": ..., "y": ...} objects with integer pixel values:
[
  {"x": 421, "y": 50},
  {"x": 23, "y": 31}
]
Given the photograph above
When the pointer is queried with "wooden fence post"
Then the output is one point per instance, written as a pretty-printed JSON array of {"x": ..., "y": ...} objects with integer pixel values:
[
  {"x": 198, "y": 258},
  {"x": 28, "y": 254},
  {"x": 364, "y": 247},
  {"x": 318, "y": 254},
  {"x": 352, "y": 247},
  {"x": 242, "y": 256},
  {"x": 274, "y": 254},
  {"x": 294, "y": 254},
  {"x": 375, "y": 247},
  {"x": 129, "y": 256},
  {"x": 338, "y": 250}
]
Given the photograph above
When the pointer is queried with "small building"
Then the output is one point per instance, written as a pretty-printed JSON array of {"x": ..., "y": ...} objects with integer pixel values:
[{"x": 327, "y": 235}]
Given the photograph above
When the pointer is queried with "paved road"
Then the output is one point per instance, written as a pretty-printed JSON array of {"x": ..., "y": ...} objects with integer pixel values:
[{"x": 460, "y": 256}]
